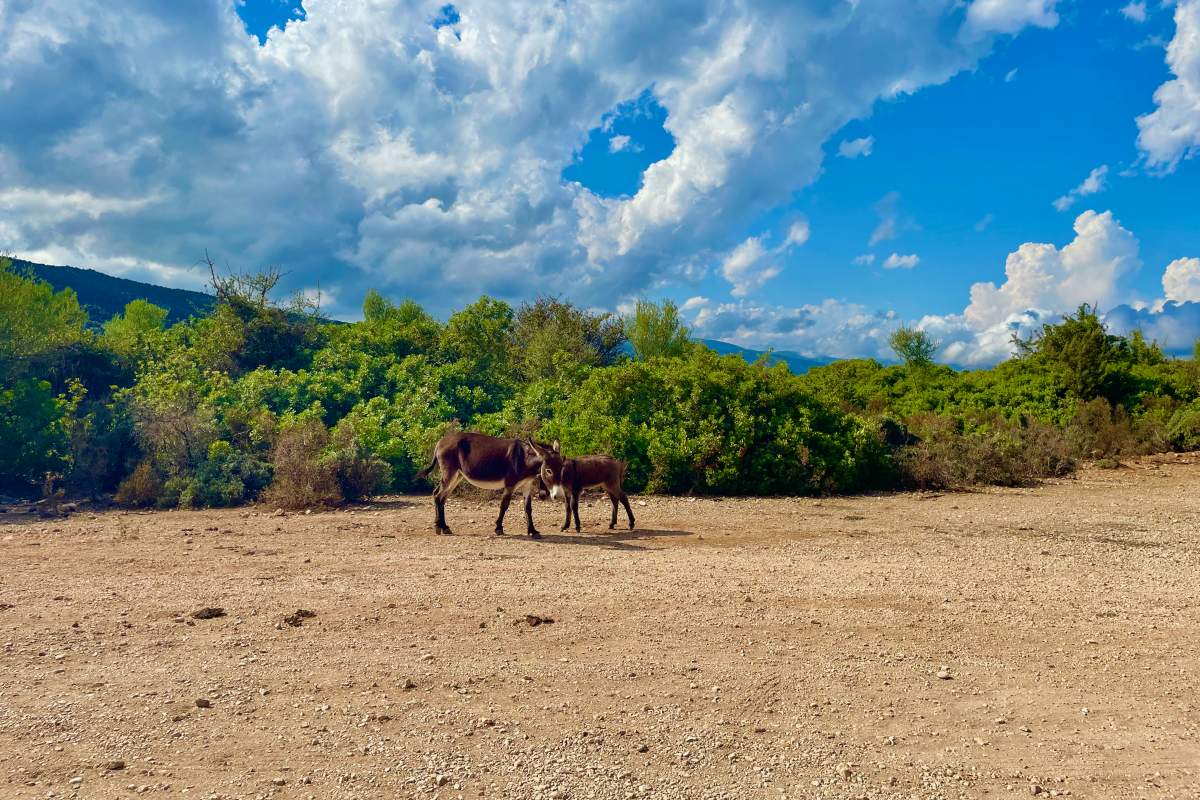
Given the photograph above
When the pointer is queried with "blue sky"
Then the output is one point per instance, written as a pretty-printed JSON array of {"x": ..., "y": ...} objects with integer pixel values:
[{"x": 803, "y": 175}]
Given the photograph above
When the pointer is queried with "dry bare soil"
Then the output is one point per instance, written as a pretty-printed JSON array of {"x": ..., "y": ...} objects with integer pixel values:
[{"x": 727, "y": 648}]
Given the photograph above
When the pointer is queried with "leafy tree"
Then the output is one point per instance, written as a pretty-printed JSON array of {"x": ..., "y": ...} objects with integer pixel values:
[
  {"x": 1089, "y": 361},
  {"x": 549, "y": 327},
  {"x": 655, "y": 330},
  {"x": 912, "y": 346},
  {"x": 480, "y": 335},
  {"x": 270, "y": 334},
  {"x": 33, "y": 428},
  {"x": 137, "y": 333},
  {"x": 36, "y": 323}
]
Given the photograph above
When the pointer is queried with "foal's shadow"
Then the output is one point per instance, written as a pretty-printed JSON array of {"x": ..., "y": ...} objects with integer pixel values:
[{"x": 612, "y": 539}]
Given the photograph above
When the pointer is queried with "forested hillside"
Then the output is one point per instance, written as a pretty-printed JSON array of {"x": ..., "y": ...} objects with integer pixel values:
[
  {"x": 252, "y": 400},
  {"x": 104, "y": 296}
]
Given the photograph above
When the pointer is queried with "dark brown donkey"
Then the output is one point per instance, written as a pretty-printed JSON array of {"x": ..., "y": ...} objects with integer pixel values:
[
  {"x": 588, "y": 472},
  {"x": 490, "y": 463}
]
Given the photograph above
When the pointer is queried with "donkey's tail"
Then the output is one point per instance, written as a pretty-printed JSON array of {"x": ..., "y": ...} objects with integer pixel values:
[{"x": 425, "y": 472}]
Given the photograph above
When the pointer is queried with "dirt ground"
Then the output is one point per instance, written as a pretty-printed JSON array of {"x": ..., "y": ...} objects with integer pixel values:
[{"x": 1002, "y": 643}]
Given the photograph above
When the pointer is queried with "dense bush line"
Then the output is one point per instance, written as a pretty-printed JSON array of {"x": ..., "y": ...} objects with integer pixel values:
[{"x": 259, "y": 400}]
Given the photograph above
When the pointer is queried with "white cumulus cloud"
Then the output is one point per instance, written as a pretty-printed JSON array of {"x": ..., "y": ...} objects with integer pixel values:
[
  {"x": 1041, "y": 283},
  {"x": 618, "y": 143},
  {"x": 1010, "y": 16},
  {"x": 1092, "y": 184},
  {"x": 1135, "y": 11},
  {"x": 1044, "y": 277},
  {"x": 363, "y": 146},
  {"x": 1181, "y": 280},
  {"x": 1171, "y": 132},
  {"x": 897, "y": 261},
  {"x": 854, "y": 148}
]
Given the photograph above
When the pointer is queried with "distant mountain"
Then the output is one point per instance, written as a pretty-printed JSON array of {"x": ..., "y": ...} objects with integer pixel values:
[
  {"x": 797, "y": 363},
  {"x": 104, "y": 296}
]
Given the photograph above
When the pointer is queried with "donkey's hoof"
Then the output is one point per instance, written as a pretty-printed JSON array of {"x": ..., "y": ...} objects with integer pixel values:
[
  {"x": 443, "y": 532},
  {"x": 534, "y": 535},
  {"x": 564, "y": 527},
  {"x": 499, "y": 531}
]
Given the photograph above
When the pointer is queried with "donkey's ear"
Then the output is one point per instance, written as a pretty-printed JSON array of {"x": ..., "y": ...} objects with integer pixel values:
[{"x": 554, "y": 446}]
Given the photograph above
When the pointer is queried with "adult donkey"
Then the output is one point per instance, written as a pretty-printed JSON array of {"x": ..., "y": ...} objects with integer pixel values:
[{"x": 490, "y": 463}]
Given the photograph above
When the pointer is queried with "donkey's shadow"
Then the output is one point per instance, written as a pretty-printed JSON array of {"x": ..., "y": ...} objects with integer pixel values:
[{"x": 612, "y": 539}]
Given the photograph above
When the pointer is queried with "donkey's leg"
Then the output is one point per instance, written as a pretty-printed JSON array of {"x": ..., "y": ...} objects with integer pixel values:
[
  {"x": 575, "y": 508},
  {"x": 505, "y": 499},
  {"x": 532, "y": 531},
  {"x": 567, "y": 504},
  {"x": 628, "y": 510},
  {"x": 612, "y": 499},
  {"x": 450, "y": 479}
]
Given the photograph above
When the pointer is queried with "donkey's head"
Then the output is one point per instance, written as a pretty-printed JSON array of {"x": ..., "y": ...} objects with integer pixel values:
[{"x": 550, "y": 472}]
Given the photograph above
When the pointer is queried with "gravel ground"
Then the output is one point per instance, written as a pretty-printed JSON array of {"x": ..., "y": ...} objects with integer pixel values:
[{"x": 994, "y": 644}]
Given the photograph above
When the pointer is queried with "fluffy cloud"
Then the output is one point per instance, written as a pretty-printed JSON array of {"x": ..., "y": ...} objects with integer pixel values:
[
  {"x": 854, "y": 148},
  {"x": 1171, "y": 132},
  {"x": 1135, "y": 11},
  {"x": 1181, "y": 280},
  {"x": 744, "y": 267},
  {"x": 366, "y": 146},
  {"x": 751, "y": 264},
  {"x": 1009, "y": 16},
  {"x": 1044, "y": 277},
  {"x": 1041, "y": 283},
  {"x": 865, "y": 260},
  {"x": 1174, "y": 326},
  {"x": 897, "y": 261},
  {"x": 618, "y": 143},
  {"x": 1092, "y": 184}
]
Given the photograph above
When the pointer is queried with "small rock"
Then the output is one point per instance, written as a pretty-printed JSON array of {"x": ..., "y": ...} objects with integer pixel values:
[
  {"x": 843, "y": 770},
  {"x": 408, "y": 684},
  {"x": 944, "y": 673},
  {"x": 279, "y": 781},
  {"x": 297, "y": 619},
  {"x": 114, "y": 766},
  {"x": 441, "y": 780},
  {"x": 208, "y": 612},
  {"x": 1035, "y": 789},
  {"x": 643, "y": 748},
  {"x": 203, "y": 702}
]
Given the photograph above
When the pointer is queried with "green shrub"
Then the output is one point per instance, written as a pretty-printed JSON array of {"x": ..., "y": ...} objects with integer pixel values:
[
  {"x": 360, "y": 474},
  {"x": 1183, "y": 430},
  {"x": 34, "y": 430},
  {"x": 713, "y": 424}
]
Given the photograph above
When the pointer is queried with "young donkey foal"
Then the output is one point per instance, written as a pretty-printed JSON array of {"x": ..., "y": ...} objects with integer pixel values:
[
  {"x": 588, "y": 472},
  {"x": 490, "y": 463}
]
